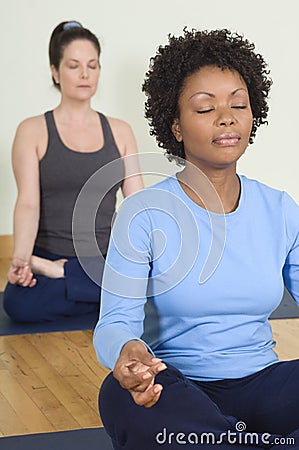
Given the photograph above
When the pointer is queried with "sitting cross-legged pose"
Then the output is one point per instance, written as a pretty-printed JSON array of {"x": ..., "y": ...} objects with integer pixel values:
[
  {"x": 197, "y": 263},
  {"x": 54, "y": 156}
]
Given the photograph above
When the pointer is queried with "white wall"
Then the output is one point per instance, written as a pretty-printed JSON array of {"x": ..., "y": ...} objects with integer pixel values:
[{"x": 129, "y": 32}]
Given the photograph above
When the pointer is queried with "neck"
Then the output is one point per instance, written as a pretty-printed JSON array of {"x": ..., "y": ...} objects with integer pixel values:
[
  {"x": 217, "y": 192},
  {"x": 74, "y": 111}
]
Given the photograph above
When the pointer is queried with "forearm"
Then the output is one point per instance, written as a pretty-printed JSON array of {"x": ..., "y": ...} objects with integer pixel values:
[
  {"x": 124, "y": 285},
  {"x": 26, "y": 218}
]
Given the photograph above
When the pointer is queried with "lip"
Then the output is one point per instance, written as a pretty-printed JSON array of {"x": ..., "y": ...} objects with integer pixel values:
[
  {"x": 84, "y": 86},
  {"x": 227, "y": 139}
]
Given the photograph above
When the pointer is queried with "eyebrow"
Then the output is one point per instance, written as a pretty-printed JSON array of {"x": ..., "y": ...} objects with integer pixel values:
[
  {"x": 76, "y": 60},
  {"x": 209, "y": 94}
]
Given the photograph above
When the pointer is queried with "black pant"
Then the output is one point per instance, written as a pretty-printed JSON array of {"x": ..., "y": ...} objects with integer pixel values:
[
  {"x": 259, "y": 411},
  {"x": 51, "y": 299}
]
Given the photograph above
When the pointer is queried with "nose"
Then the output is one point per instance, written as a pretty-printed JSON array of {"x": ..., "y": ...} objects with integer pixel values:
[
  {"x": 226, "y": 118},
  {"x": 84, "y": 72}
]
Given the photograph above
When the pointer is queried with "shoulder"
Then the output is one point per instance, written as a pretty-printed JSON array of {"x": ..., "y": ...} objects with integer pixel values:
[
  {"x": 165, "y": 185},
  {"x": 254, "y": 187},
  {"x": 120, "y": 128},
  {"x": 276, "y": 200},
  {"x": 156, "y": 196},
  {"x": 119, "y": 125},
  {"x": 123, "y": 135},
  {"x": 31, "y": 136},
  {"x": 32, "y": 125}
]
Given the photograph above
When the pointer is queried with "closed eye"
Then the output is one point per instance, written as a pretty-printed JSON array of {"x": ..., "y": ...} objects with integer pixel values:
[
  {"x": 204, "y": 111},
  {"x": 240, "y": 106}
]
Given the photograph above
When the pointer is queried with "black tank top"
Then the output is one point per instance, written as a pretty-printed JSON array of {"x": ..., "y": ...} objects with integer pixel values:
[{"x": 63, "y": 173}]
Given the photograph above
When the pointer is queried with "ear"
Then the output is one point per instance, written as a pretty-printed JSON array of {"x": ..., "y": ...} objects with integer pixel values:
[
  {"x": 176, "y": 129},
  {"x": 55, "y": 74}
]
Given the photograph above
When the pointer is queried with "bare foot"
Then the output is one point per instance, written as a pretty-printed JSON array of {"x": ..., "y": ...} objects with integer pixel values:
[{"x": 48, "y": 268}]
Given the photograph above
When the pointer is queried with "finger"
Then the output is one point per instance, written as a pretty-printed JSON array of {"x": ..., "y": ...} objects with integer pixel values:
[
  {"x": 154, "y": 370},
  {"x": 24, "y": 273},
  {"x": 146, "y": 359},
  {"x": 151, "y": 361},
  {"x": 12, "y": 276},
  {"x": 26, "y": 281},
  {"x": 136, "y": 366},
  {"x": 154, "y": 366},
  {"x": 153, "y": 401},
  {"x": 135, "y": 369},
  {"x": 139, "y": 352},
  {"x": 33, "y": 282},
  {"x": 141, "y": 387},
  {"x": 139, "y": 376},
  {"x": 149, "y": 397},
  {"x": 135, "y": 381}
]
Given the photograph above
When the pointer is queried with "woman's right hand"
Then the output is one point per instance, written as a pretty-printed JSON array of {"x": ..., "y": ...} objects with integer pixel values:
[
  {"x": 20, "y": 273},
  {"x": 136, "y": 369}
]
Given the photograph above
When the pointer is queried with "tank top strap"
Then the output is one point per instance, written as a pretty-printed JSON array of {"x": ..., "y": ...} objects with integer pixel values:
[
  {"x": 51, "y": 127},
  {"x": 107, "y": 132}
]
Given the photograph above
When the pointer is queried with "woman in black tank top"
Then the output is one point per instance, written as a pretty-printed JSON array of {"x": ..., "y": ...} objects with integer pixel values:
[{"x": 60, "y": 244}]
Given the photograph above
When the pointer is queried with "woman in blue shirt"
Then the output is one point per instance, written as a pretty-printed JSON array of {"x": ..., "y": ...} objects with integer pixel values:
[{"x": 184, "y": 313}]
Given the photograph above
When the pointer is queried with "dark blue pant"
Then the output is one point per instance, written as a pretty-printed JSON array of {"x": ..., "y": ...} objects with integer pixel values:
[
  {"x": 258, "y": 411},
  {"x": 51, "y": 299}
]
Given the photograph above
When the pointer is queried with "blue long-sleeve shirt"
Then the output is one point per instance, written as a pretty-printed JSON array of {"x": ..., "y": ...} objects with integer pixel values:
[{"x": 198, "y": 287}]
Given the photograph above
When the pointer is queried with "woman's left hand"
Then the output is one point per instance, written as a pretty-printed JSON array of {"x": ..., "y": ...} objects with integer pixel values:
[
  {"x": 136, "y": 370},
  {"x": 20, "y": 273}
]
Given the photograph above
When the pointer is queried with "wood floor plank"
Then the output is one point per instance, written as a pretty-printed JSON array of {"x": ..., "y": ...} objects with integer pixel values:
[
  {"x": 286, "y": 333},
  {"x": 81, "y": 353},
  {"x": 10, "y": 422},
  {"x": 49, "y": 405},
  {"x": 4, "y": 266},
  {"x": 6, "y": 249},
  {"x": 6, "y": 245},
  {"x": 48, "y": 367},
  {"x": 81, "y": 412},
  {"x": 21, "y": 401},
  {"x": 69, "y": 372}
]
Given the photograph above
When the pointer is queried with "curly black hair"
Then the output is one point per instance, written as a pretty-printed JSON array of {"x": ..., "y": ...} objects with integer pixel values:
[{"x": 186, "y": 54}]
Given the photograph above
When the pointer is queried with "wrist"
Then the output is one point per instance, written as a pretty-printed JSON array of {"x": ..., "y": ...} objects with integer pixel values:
[{"x": 19, "y": 260}]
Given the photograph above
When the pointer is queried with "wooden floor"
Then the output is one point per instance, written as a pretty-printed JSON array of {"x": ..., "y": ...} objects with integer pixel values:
[
  {"x": 50, "y": 382},
  {"x": 6, "y": 247}
]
